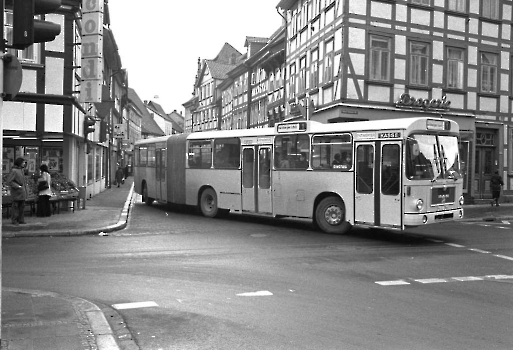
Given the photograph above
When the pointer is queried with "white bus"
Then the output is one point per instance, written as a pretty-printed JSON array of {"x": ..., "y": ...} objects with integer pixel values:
[{"x": 394, "y": 173}]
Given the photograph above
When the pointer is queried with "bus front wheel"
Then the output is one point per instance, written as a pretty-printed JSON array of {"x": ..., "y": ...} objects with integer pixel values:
[
  {"x": 208, "y": 203},
  {"x": 145, "y": 198},
  {"x": 330, "y": 216}
]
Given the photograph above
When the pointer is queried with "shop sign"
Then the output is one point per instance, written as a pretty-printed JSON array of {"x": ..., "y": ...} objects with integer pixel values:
[
  {"x": 92, "y": 51},
  {"x": 409, "y": 101}
]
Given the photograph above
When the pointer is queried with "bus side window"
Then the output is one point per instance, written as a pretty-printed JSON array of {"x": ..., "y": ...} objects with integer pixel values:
[
  {"x": 227, "y": 153},
  {"x": 200, "y": 154},
  {"x": 332, "y": 151}
]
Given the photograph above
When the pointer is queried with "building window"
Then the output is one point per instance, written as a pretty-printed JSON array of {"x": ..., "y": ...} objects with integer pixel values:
[
  {"x": 314, "y": 69},
  {"x": 488, "y": 72},
  {"x": 302, "y": 74},
  {"x": 30, "y": 54},
  {"x": 491, "y": 9},
  {"x": 379, "y": 58},
  {"x": 457, "y": 5},
  {"x": 419, "y": 63},
  {"x": 292, "y": 90},
  {"x": 421, "y": 2},
  {"x": 455, "y": 65},
  {"x": 328, "y": 61}
]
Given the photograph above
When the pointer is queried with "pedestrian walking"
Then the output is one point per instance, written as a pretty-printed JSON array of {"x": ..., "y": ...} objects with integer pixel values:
[
  {"x": 119, "y": 175},
  {"x": 44, "y": 187},
  {"x": 496, "y": 184},
  {"x": 19, "y": 192}
]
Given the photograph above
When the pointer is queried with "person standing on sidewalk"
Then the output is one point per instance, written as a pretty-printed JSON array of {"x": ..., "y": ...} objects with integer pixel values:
[
  {"x": 19, "y": 193},
  {"x": 43, "y": 201},
  {"x": 496, "y": 184},
  {"x": 119, "y": 175}
]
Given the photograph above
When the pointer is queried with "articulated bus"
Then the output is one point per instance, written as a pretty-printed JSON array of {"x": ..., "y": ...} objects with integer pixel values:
[{"x": 395, "y": 173}]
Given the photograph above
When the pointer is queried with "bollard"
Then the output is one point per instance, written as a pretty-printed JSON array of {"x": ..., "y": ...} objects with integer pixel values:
[{"x": 82, "y": 195}]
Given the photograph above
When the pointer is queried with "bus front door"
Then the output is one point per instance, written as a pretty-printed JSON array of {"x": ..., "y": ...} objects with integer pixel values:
[
  {"x": 256, "y": 179},
  {"x": 364, "y": 197},
  {"x": 390, "y": 206},
  {"x": 378, "y": 183}
]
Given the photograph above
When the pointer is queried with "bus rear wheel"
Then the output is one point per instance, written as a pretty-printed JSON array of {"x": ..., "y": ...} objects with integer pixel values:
[
  {"x": 330, "y": 216},
  {"x": 145, "y": 198},
  {"x": 208, "y": 203}
]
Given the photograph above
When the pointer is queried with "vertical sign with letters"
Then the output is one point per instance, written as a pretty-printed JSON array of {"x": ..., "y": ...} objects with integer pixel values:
[{"x": 92, "y": 51}]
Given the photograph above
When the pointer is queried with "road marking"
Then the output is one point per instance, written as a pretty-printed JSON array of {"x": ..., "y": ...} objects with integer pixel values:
[
  {"x": 467, "y": 279},
  {"x": 443, "y": 280},
  {"x": 392, "y": 283},
  {"x": 431, "y": 280},
  {"x": 135, "y": 305},
  {"x": 479, "y": 251},
  {"x": 261, "y": 293},
  {"x": 455, "y": 245},
  {"x": 506, "y": 222},
  {"x": 504, "y": 257}
]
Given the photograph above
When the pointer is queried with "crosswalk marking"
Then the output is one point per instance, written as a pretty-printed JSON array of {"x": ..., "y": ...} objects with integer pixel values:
[
  {"x": 444, "y": 280},
  {"x": 136, "y": 305}
]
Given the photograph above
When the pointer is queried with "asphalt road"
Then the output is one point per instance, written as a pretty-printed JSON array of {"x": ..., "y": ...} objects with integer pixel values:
[{"x": 247, "y": 283}]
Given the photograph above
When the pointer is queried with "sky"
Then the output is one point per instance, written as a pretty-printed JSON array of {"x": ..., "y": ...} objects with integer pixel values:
[{"x": 160, "y": 41}]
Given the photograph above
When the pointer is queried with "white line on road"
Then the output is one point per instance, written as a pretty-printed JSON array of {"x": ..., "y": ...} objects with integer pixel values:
[
  {"x": 431, "y": 280},
  {"x": 135, "y": 305},
  {"x": 261, "y": 293},
  {"x": 455, "y": 245},
  {"x": 504, "y": 257},
  {"x": 392, "y": 283},
  {"x": 479, "y": 251},
  {"x": 443, "y": 280}
]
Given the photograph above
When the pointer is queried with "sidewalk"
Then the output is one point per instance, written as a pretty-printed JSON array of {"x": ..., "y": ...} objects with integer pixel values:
[{"x": 39, "y": 320}]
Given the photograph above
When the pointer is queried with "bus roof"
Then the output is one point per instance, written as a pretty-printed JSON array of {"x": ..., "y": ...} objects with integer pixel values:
[{"x": 419, "y": 123}]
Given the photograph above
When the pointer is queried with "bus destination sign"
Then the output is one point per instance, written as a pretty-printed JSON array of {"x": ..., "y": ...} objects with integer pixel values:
[
  {"x": 291, "y": 127},
  {"x": 389, "y": 135}
]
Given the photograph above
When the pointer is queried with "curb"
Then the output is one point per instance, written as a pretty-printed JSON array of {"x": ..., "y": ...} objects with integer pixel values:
[
  {"x": 121, "y": 224},
  {"x": 100, "y": 328}
]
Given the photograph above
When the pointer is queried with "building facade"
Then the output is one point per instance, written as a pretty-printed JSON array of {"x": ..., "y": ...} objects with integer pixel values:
[{"x": 44, "y": 122}]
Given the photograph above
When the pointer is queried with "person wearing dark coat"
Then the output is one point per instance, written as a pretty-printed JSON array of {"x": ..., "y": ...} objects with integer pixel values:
[
  {"x": 19, "y": 192},
  {"x": 496, "y": 184},
  {"x": 119, "y": 175},
  {"x": 43, "y": 201}
]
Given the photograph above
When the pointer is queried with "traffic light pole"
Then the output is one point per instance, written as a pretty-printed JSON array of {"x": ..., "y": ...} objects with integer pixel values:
[{"x": 2, "y": 48}]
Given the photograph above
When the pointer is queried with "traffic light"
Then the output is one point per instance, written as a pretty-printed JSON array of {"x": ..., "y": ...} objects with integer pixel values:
[
  {"x": 26, "y": 29},
  {"x": 88, "y": 126}
]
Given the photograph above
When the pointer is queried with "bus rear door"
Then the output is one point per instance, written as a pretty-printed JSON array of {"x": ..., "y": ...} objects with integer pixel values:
[
  {"x": 378, "y": 183},
  {"x": 256, "y": 179}
]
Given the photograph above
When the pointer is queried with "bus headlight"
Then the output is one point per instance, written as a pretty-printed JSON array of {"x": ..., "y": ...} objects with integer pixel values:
[
  {"x": 419, "y": 204},
  {"x": 462, "y": 200}
]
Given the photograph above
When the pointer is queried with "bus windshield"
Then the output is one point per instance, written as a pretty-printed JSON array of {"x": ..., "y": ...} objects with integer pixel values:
[{"x": 431, "y": 157}]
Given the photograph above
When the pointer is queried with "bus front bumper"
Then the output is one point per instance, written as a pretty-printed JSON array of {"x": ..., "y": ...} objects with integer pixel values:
[{"x": 418, "y": 219}]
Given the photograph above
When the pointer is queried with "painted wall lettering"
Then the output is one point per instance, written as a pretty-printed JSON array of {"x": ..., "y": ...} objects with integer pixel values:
[{"x": 92, "y": 51}]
